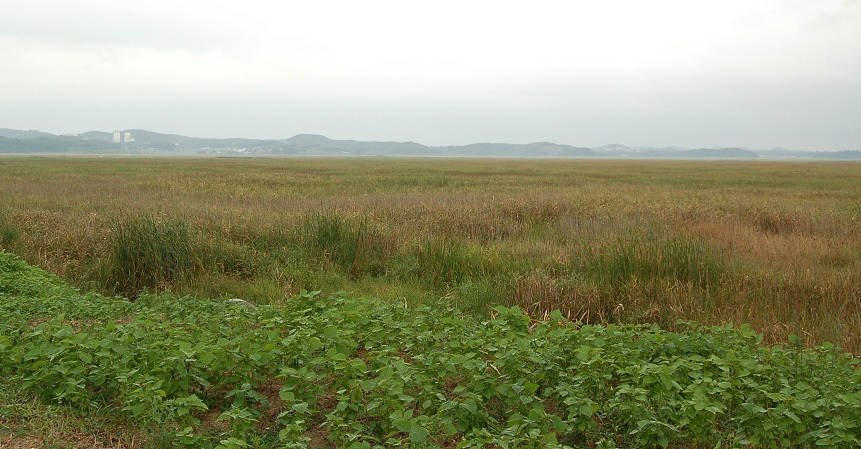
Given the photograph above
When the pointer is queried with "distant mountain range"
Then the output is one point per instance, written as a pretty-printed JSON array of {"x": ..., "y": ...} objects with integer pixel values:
[{"x": 138, "y": 141}]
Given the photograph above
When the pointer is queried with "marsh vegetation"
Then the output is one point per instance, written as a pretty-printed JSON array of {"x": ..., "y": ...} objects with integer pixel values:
[
  {"x": 429, "y": 303},
  {"x": 773, "y": 244}
]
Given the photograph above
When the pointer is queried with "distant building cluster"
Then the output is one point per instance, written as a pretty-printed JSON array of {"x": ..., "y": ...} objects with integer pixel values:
[{"x": 123, "y": 137}]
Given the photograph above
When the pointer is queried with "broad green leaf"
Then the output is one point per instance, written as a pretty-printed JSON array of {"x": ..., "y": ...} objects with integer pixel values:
[{"x": 418, "y": 433}]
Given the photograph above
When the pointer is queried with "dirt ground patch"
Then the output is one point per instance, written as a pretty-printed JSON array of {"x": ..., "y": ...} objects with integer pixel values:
[
  {"x": 76, "y": 441},
  {"x": 20, "y": 443}
]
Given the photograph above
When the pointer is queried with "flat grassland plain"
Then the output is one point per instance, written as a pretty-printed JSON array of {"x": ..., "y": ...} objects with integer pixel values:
[
  {"x": 466, "y": 303},
  {"x": 773, "y": 244}
]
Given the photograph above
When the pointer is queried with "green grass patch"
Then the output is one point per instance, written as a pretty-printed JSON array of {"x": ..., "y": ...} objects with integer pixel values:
[
  {"x": 348, "y": 244},
  {"x": 677, "y": 259},
  {"x": 149, "y": 253},
  {"x": 8, "y": 232},
  {"x": 444, "y": 262}
]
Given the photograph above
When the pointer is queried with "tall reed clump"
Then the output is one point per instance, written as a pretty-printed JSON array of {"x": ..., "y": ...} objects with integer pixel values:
[
  {"x": 149, "y": 253},
  {"x": 8, "y": 232},
  {"x": 345, "y": 243},
  {"x": 444, "y": 262},
  {"x": 677, "y": 259}
]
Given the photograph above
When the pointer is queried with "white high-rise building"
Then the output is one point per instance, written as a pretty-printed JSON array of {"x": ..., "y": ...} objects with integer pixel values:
[
  {"x": 127, "y": 137},
  {"x": 117, "y": 137}
]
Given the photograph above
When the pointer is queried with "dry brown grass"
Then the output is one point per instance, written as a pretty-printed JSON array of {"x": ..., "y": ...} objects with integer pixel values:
[{"x": 786, "y": 235}]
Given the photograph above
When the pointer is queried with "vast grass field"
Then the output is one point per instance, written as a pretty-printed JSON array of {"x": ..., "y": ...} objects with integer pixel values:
[
  {"x": 463, "y": 303},
  {"x": 773, "y": 244}
]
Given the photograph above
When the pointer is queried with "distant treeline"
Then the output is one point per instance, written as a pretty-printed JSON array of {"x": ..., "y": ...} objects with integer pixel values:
[
  {"x": 849, "y": 154},
  {"x": 56, "y": 144}
]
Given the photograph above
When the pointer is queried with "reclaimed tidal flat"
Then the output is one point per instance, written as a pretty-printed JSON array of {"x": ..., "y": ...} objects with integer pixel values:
[
  {"x": 772, "y": 244},
  {"x": 485, "y": 303}
]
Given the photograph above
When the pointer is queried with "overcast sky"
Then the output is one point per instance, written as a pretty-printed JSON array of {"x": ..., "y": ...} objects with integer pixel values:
[{"x": 752, "y": 73}]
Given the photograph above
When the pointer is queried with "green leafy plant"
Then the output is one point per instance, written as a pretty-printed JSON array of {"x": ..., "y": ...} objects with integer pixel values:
[{"x": 347, "y": 371}]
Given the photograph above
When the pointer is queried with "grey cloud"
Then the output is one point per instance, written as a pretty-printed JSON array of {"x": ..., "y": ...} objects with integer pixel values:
[
  {"x": 781, "y": 76},
  {"x": 83, "y": 26}
]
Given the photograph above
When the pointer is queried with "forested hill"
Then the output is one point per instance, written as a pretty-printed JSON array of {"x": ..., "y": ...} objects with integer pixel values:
[{"x": 138, "y": 141}]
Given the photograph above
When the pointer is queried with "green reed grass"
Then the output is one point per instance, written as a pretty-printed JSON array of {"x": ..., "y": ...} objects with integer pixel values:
[
  {"x": 444, "y": 262},
  {"x": 479, "y": 296},
  {"x": 677, "y": 259},
  {"x": 348, "y": 244},
  {"x": 8, "y": 232},
  {"x": 147, "y": 252}
]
